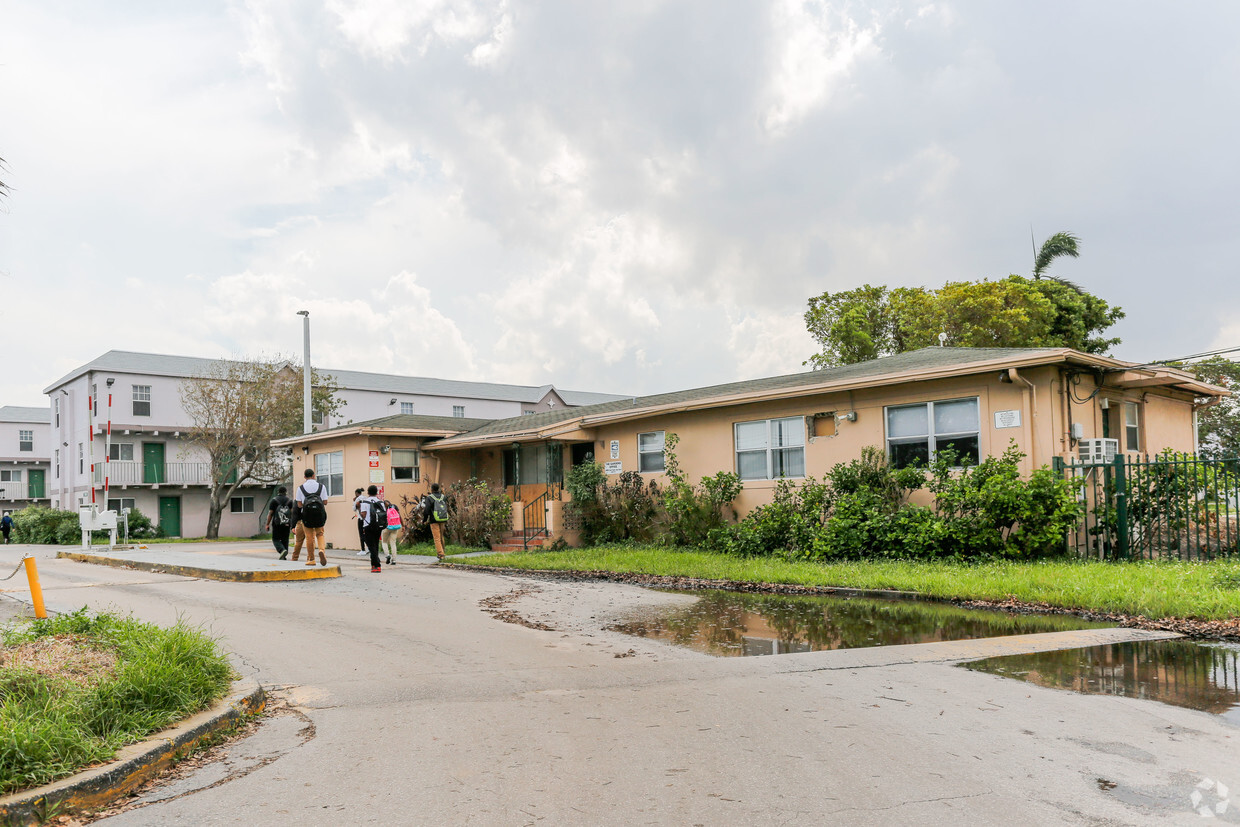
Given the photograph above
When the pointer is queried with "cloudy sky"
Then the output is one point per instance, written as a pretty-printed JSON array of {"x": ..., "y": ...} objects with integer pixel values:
[{"x": 628, "y": 196}]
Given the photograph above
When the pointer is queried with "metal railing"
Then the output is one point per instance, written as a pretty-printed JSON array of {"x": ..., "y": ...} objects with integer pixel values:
[
  {"x": 1171, "y": 506},
  {"x": 13, "y": 490},
  {"x": 534, "y": 520},
  {"x": 140, "y": 473}
]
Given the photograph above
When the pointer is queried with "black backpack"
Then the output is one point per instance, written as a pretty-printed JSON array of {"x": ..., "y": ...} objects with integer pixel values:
[
  {"x": 313, "y": 511},
  {"x": 283, "y": 516}
]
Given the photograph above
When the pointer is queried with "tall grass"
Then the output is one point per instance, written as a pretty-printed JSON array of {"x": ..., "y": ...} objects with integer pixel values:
[
  {"x": 1208, "y": 591},
  {"x": 53, "y": 725}
]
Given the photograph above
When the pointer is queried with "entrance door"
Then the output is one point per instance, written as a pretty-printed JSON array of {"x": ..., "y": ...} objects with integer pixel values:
[
  {"x": 153, "y": 463},
  {"x": 34, "y": 488},
  {"x": 170, "y": 515}
]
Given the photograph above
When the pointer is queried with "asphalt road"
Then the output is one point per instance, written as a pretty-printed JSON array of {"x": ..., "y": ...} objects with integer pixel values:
[{"x": 407, "y": 701}]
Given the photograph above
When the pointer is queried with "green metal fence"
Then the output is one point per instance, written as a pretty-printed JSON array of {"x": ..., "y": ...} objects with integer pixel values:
[{"x": 1171, "y": 506}]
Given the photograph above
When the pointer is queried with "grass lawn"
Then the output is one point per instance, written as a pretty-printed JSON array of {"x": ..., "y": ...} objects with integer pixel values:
[
  {"x": 75, "y": 688},
  {"x": 428, "y": 549},
  {"x": 1209, "y": 591}
]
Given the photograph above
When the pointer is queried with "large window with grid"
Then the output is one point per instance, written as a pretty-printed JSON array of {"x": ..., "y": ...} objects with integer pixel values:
[
  {"x": 329, "y": 468},
  {"x": 650, "y": 452},
  {"x": 767, "y": 449},
  {"x": 458, "y": 411},
  {"x": 406, "y": 408},
  {"x": 405, "y": 465},
  {"x": 915, "y": 433},
  {"x": 25, "y": 440},
  {"x": 141, "y": 400}
]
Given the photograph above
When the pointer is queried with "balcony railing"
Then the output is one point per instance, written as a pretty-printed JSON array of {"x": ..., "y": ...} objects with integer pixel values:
[
  {"x": 13, "y": 490},
  {"x": 167, "y": 473}
]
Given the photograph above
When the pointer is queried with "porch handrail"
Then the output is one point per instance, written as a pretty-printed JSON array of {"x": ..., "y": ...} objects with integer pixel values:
[{"x": 534, "y": 520}]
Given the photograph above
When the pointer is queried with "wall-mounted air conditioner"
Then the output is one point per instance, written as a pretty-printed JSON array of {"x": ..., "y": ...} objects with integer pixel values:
[{"x": 1097, "y": 451}]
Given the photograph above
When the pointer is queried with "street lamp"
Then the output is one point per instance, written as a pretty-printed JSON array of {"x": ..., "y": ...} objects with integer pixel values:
[{"x": 305, "y": 371}]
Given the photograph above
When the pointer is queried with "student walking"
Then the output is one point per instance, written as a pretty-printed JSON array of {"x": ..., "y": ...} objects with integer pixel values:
[
  {"x": 312, "y": 499},
  {"x": 435, "y": 512},
  {"x": 391, "y": 532},
  {"x": 358, "y": 496},
  {"x": 374, "y": 515},
  {"x": 280, "y": 521},
  {"x": 6, "y": 525}
]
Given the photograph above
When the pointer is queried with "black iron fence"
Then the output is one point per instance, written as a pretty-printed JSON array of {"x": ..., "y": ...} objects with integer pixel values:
[{"x": 1171, "y": 506}]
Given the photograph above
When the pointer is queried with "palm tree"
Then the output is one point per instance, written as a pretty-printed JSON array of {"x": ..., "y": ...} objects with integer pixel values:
[{"x": 1060, "y": 244}]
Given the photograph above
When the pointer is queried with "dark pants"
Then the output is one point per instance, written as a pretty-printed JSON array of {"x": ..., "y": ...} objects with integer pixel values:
[
  {"x": 6, "y": 533},
  {"x": 372, "y": 534},
  {"x": 279, "y": 537},
  {"x": 361, "y": 534}
]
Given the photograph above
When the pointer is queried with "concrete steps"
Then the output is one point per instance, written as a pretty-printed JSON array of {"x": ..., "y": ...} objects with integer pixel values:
[{"x": 512, "y": 541}]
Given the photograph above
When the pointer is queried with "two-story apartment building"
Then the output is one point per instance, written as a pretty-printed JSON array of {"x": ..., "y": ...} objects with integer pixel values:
[
  {"x": 122, "y": 414},
  {"x": 25, "y": 456}
]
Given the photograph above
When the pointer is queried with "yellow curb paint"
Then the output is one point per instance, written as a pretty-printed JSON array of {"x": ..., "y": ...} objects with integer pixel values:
[{"x": 231, "y": 576}]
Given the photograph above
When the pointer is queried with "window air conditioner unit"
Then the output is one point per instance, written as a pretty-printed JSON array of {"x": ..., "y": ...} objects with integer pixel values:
[{"x": 1097, "y": 451}]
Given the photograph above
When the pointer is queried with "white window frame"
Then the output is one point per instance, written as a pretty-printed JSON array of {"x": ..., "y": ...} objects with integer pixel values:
[
  {"x": 1132, "y": 430},
  {"x": 56, "y": 409},
  {"x": 406, "y": 408},
  {"x": 116, "y": 452},
  {"x": 25, "y": 441},
  {"x": 57, "y": 452},
  {"x": 11, "y": 475},
  {"x": 415, "y": 470},
  {"x": 769, "y": 448},
  {"x": 651, "y": 459},
  {"x": 141, "y": 396},
  {"x": 329, "y": 470},
  {"x": 458, "y": 411},
  {"x": 241, "y": 505},
  {"x": 118, "y": 504},
  {"x": 932, "y": 438},
  {"x": 317, "y": 417}
]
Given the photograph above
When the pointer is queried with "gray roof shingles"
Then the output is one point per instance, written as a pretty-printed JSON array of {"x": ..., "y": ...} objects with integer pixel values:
[{"x": 21, "y": 413}]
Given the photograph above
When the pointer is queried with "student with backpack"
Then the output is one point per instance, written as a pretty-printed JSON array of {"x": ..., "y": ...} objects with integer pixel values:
[
  {"x": 391, "y": 532},
  {"x": 312, "y": 504},
  {"x": 374, "y": 513},
  {"x": 6, "y": 525},
  {"x": 435, "y": 513},
  {"x": 280, "y": 521}
]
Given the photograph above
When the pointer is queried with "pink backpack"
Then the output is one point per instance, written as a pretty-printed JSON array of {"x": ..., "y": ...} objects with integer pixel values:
[{"x": 393, "y": 517}]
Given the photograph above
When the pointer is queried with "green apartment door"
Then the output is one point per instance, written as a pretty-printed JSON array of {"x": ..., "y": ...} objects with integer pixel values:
[
  {"x": 170, "y": 515},
  {"x": 153, "y": 462},
  {"x": 34, "y": 486}
]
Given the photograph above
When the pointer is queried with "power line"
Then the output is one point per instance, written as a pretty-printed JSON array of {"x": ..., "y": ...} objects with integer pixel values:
[{"x": 1186, "y": 358}]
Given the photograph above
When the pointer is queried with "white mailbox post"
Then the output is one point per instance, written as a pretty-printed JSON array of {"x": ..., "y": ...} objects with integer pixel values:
[{"x": 90, "y": 518}]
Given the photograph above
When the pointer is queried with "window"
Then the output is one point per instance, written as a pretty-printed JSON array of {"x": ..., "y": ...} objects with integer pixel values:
[
  {"x": 528, "y": 411},
  {"x": 25, "y": 440},
  {"x": 11, "y": 476},
  {"x": 81, "y": 459},
  {"x": 57, "y": 463},
  {"x": 56, "y": 409},
  {"x": 141, "y": 400},
  {"x": 770, "y": 448},
  {"x": 916, "y": 432},
  {"x": 650, "y": 452},
  {"x": 241, "y": 505},
  {"x": 329, "y": 468},
  {"x": 458, "y": 411},
  {"x": 120, "y": 505},
  {"x": 1132, "y": 433},
  {"x": 317, "y": 417},
  {"x": 121, "y": 452},
  {"x": 404, "y": 465},
  {"x": 94, "y": 399},
  {"x": 406, "y": 407}
]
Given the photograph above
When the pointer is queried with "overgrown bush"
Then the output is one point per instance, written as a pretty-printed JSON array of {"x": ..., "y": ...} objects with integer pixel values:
[
  {"x": 478, "y": 515},
  {"x": 50, "y": 526},
  {"x": 141, "y": 528},
  {"x": 695, "y": 513},
  {"x": 604, "y": 512}
]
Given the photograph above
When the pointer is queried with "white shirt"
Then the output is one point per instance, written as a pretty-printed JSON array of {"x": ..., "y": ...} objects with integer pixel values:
[{"x": 311, "y": 485}]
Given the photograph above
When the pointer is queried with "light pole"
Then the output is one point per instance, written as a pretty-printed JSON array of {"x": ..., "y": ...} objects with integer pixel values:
[{"x": 305, "y": 371}]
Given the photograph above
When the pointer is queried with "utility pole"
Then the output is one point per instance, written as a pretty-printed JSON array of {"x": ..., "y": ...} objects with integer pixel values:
[{"x": 305, "y": 371}]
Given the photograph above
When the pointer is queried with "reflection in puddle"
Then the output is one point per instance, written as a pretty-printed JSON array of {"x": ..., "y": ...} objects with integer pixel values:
[
  {"x": 732, "y": 623},
  {"x": 1195, "y": 675}
]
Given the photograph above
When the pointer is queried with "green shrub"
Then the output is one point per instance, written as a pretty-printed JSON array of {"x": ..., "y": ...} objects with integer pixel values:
[
  {"x": 478, "y": 515},
  {"x": 695, "y": 512},
  {"x": 50, "y": 526}
]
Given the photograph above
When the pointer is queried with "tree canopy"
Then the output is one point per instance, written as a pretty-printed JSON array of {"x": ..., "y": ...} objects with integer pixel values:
[
  {"x": 1218, "y": 426},
  {"x": 237, "y": 408}
]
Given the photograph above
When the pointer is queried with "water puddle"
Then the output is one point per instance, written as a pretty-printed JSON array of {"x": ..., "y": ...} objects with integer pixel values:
[
  {"x": 1203, "y": 676},
  {"x": 735, "y": 624}
]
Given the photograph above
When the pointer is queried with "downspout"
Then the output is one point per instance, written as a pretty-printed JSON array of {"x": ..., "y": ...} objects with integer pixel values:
[
  {"x": 1065, "y": 437},
  {"x": 1015, "y": 376}
]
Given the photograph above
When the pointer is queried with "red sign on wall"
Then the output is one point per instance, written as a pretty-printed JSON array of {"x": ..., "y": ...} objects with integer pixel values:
[{"x": 374, "y": 459}]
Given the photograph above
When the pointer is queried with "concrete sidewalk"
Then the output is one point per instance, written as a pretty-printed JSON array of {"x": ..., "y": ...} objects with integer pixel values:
[{"x": 248, "y": 562}]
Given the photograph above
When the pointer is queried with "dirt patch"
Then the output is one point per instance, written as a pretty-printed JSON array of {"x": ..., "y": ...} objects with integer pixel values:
[
  {"x": 1227, "y": 630},
  {"x": 74, "y": 658},
  {"x": 498, "y": 607}
]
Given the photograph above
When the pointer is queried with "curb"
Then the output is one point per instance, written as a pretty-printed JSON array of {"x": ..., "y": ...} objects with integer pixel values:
[
  {"x": 203, "y": 573},
  {"x": 133, "y": 765}
]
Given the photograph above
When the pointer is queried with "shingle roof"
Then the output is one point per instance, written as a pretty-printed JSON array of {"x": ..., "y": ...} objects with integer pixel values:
[
  {"x": 414, "y": 422},
  {"x": 159, "y": 364},
  {"x": 19, "y": 413},
  {"x": 925, "y": 359}
]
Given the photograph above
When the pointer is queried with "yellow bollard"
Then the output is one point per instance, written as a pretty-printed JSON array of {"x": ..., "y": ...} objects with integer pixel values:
[{"x": 36, "y": 591}]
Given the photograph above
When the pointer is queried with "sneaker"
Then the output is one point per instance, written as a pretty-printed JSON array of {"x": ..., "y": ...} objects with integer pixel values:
[
  {"x": 375, "y": 569},
  {"x": 284, "y": 554},
  {"x": 322, "y": 559},
  {"x": 389, "y": 560},
  {"x": 362, "y": 553}
]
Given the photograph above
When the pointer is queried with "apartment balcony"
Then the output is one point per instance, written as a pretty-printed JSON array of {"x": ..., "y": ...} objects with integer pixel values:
[
  {"x": 154, "y": 474},
  {"x": 14, "y": 491}
]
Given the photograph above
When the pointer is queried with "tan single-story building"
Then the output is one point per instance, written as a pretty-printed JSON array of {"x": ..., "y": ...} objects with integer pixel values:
[{"x": 1049, "y": 402}]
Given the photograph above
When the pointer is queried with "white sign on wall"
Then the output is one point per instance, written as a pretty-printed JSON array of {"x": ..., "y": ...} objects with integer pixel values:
[
  {"x": 613, "y": 467},
  {"x": 615, "y": 449},
  {"x": 376, "y": 476},
  {"x": 1007, "y": 419}
]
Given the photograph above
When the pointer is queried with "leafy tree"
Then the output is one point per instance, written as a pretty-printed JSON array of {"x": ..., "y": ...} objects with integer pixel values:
[
  {"x": 1218, "y": 427},
  {"x": 872, "y": 321},
  {"x": 1057, "y": 246},
  {"x": 237, "y": 408}
]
